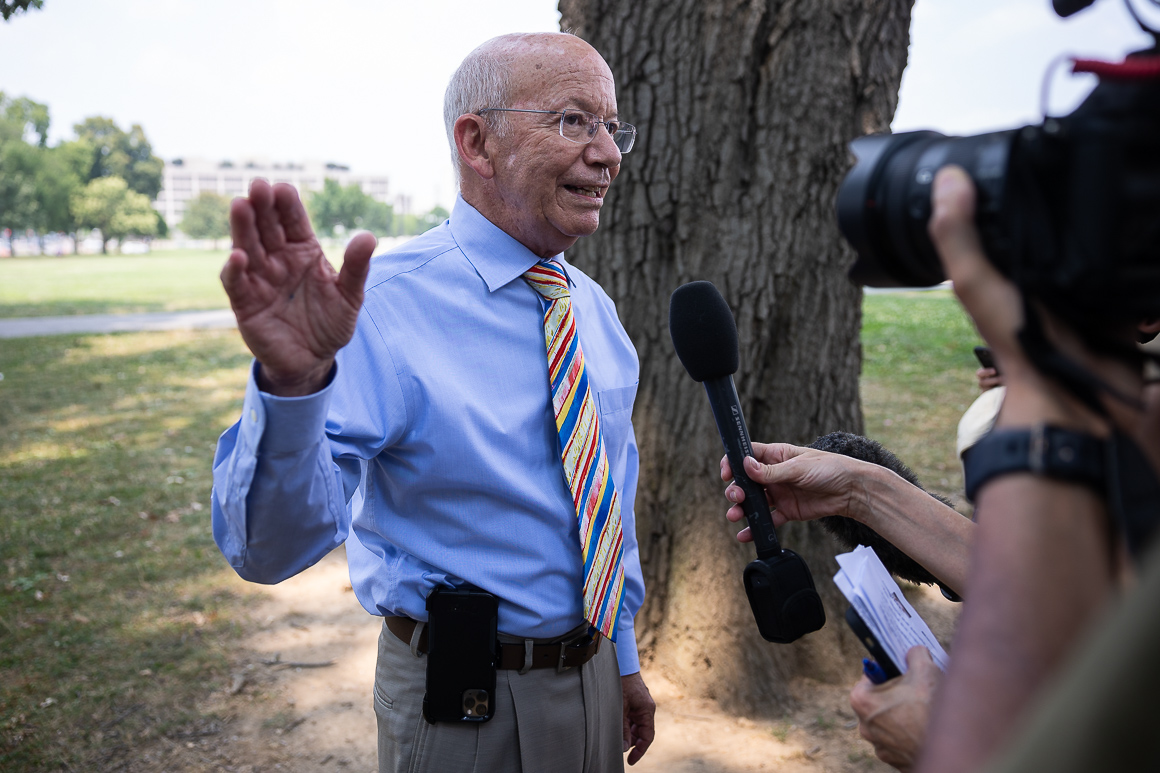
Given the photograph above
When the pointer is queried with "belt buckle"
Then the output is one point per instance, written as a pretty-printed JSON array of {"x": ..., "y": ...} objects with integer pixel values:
[
  {"x": 560, "y": 667},
  {"x": 586, "y": 642}
]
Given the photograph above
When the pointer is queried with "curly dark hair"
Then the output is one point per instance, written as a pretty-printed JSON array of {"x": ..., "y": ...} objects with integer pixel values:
[{"x": 850, "y": 533}]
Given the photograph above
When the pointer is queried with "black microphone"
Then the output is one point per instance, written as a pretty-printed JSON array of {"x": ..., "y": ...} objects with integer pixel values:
[{"x": 780, "y": 588}]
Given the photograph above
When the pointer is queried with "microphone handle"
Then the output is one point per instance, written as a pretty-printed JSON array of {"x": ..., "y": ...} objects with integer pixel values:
[{"x": 731, "y": 424}]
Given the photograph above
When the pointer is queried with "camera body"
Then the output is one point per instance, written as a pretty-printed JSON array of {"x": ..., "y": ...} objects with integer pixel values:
[{"x": 1068, "y": 209}]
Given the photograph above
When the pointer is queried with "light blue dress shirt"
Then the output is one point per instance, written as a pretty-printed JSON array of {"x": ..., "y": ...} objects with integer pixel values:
[{"x": 433, "y": 452}]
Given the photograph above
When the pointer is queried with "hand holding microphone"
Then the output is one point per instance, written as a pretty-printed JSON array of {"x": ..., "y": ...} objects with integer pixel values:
[{"x": 781, "y": 591}]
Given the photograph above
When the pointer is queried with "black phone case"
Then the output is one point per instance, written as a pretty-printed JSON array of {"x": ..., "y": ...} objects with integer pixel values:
[
  {"x": 984, "y": 356},
  {"x": 461, "y": 655},
  {"x": 870, "y": 641}
]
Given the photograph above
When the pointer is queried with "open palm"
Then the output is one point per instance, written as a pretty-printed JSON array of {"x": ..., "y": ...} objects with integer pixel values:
[{"x": 294, "y": 310}]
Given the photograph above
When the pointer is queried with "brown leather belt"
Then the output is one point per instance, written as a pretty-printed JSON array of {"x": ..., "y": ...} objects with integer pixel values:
[{"x": 557, "y": 655}]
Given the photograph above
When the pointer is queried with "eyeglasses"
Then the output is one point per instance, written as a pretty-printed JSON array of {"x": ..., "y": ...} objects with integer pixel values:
[{"x": 580, "y": 125}]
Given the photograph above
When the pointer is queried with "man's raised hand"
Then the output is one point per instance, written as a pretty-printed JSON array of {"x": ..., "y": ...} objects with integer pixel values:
[{"x": 294, "y": 310}]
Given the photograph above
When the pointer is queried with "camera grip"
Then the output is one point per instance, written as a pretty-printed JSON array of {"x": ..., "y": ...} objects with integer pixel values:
[{"x": 781, "y": 592}]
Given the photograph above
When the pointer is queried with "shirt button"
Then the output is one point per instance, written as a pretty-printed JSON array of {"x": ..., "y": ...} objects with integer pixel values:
[{"x": 253, "y": 416}]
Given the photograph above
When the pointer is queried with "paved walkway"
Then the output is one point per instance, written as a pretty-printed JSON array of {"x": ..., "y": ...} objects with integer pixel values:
[{"x": 28, "y": 327}]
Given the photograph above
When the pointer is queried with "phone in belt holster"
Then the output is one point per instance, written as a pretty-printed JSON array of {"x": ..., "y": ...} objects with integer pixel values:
[{"x": 462, "y": 654}]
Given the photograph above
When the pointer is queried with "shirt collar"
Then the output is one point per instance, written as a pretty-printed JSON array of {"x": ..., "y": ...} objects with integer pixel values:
[{"x": 495, "y": 254}]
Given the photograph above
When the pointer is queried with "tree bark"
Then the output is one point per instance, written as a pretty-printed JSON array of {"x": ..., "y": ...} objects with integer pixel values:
[{"x": 745, "y": 109}]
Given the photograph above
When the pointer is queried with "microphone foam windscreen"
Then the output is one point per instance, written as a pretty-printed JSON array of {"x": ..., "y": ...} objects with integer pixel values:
[{"x": 703, "y": 330}]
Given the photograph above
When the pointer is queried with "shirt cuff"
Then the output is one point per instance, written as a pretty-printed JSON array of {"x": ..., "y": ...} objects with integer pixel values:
[
  {"x": 626, "y": 654},
  {"x": 288, "y": 425}
]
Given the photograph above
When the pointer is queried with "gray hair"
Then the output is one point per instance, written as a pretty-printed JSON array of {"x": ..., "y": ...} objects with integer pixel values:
[{"x": 484, "y": 80}]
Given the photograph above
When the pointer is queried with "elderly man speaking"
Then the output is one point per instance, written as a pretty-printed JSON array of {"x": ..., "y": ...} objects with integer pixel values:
[{"x": 458, "y": 412}]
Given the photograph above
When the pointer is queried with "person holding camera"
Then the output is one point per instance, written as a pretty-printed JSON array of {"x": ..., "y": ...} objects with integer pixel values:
[{"x": 1047, "y": 559}]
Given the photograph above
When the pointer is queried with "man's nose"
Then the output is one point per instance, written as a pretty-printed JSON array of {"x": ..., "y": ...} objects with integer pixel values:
[{"x": 602, "y": 149}]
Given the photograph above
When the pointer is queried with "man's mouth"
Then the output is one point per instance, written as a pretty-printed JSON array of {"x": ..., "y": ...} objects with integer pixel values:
[{"x": 590, "y": 192}]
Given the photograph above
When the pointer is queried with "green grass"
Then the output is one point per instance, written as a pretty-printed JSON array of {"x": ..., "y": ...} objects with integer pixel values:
[
  {"x": 172, "y": 280},
  {"x": 117, "y": 613},
  {"x": 95, "y": 284},
  {"x": 115, "y": 610},
  {"x": 918, "y": 376}
]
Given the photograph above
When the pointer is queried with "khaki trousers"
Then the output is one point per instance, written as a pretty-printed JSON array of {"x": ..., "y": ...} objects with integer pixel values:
[{"x": 544, "y": 721}]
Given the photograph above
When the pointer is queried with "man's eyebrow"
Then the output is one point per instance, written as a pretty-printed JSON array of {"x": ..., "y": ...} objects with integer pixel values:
[{"x": 572, "y": 104}]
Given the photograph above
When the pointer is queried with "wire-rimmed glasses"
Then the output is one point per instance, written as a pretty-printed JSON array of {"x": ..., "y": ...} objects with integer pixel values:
[{"x": 580, "y": 125}]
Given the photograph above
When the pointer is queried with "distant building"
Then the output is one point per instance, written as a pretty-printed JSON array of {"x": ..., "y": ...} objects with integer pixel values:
[{"x": 186, "y": 178}]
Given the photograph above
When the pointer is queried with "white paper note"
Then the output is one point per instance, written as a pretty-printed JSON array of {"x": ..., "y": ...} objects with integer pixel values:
[{"x": 878, "y": 599}]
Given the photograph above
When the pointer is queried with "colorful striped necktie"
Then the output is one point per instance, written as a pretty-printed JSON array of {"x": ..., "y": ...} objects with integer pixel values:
[{"x": 582, "y": 451}]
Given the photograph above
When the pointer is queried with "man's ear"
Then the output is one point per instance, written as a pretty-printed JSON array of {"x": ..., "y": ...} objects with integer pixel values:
[{"x": 471, "y": 133}]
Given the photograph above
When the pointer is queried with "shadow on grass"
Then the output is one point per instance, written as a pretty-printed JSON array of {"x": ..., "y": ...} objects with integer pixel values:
[{"x": 114, "y": 614}]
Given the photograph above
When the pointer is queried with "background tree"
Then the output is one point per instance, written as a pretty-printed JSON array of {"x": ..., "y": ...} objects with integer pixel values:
[
  {"x": 19, "y": 168},
  {"x": 117, "y": 153},
  {"x": 108, "y": 204},
  {"x": 21, "y": 120},
  {"x": 745, "y": 109},
  {"x": 10, "y": 7},
  {"x": 207, "y": 217},
  {"x": 36, "y": 181},
  {"x": 349, "y": 207},
  {"x": 413, "y": 225},
  {"x": 433, "y": 218}
]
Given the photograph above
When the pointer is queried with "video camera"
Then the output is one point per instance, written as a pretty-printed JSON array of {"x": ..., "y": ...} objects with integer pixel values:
[{"x": 1068, "y": 209}]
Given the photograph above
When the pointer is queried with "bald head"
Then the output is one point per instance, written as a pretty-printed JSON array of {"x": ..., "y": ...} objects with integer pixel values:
[
  {"x": 515, "y": 163},
  {"x": 511, "y": 68}
]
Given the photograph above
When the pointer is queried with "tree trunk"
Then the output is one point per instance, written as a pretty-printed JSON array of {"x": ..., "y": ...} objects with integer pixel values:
[{"x": 745, "y": 110}]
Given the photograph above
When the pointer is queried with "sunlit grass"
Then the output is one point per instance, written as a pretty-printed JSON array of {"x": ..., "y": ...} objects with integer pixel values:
[
  {"x": 918, "y": 376},
  {"x": 171, "y": 280}
]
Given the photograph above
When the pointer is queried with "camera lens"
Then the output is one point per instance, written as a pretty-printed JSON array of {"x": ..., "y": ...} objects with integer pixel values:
[{"x": 884, "y": 202}]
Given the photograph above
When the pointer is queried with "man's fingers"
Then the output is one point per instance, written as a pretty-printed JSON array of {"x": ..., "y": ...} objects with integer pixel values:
[
  {"x": 244, "y": 231},
  {"x": 640, "y": 736},
  {"x": 233, "y": 272},
  {"x": 356, "y": 263},
  {"x": 640, "y": 747},
  {"x": 292, "y": 214},
  {"x": 266, "y": 216}
]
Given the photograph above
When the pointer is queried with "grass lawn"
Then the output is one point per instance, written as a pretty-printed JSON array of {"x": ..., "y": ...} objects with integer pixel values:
[
  {"x": 918, "y": 376},
  {"x": 116, "y": 614},
  {"x": 94, "y": 284},
  {"x": 113, "y": 611},
  {"x": 173, "y": 280}
]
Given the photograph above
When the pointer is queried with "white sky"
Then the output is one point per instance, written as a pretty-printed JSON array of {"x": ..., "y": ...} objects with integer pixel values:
[{"x": 361, "y": 82}]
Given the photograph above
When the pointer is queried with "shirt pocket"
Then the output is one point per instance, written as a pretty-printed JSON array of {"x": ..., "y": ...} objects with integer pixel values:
[{"x": 615, "y": 407}]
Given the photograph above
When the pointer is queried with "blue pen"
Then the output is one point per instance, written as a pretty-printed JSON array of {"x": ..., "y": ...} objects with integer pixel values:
[{"x": 873, "y": 671}]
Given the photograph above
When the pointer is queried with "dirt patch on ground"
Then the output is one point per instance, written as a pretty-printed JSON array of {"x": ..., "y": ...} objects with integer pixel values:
[{"x": 299, "y": 700}]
